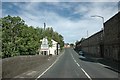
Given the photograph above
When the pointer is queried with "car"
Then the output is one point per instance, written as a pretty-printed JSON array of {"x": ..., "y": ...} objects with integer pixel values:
[{"x": 81, "y": 53}]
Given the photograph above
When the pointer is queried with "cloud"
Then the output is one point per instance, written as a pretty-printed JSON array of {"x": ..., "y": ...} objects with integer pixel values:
[
  {"x": 72, "y": 27},
  {"x": 0, "y": 10},
  {"x": 60, "y": 0}
]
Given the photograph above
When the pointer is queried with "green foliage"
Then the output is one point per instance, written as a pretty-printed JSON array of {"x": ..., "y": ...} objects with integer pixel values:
[
  {"x": 21, "y": 39},
  {"x": 0, "y": 38},
  {"x": 71, "y": 44}
]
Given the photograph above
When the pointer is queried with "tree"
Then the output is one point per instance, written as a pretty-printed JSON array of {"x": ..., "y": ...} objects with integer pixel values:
[
  {"x": 0, "y": 39},
  {"x": 71, "y": 44},
  {"x": 11, "y": 27},
  {"x": 20, "y": 39}
]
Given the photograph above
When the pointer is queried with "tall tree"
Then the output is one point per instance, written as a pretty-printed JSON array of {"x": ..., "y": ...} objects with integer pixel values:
[{"x": 21, "y": 39}]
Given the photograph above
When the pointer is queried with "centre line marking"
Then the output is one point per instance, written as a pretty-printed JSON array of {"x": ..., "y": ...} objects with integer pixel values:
[
  {"x": 75, "y": 61},
  {"x": 78, "y": 64},
  {"x": 86, "y": 74},
  {"x": 82, "y": 68}
]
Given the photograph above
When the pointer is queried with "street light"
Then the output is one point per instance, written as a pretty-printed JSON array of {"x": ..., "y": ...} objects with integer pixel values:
[
  {"x": 101, "y": 18},
  {"x": 102, "y": 36},
  {"x": 102, "y": 22}
]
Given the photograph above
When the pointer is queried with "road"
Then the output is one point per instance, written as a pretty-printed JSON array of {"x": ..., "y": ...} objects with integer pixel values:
[{"x": 71, "y": 65}]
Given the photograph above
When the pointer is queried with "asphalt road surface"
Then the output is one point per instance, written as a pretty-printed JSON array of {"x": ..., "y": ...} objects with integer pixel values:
[{"x": 72, "y": 65}]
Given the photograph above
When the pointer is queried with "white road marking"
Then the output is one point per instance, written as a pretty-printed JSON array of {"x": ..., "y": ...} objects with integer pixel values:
[
  {"x": 49, "y": 67},
  {"x": 81, "y": 68},
  {"x": 86, "y": 74},
  {"x": 75, "y": 61},
  {"x": 78, "y": 64},
  {"x": 72, "y": 56}
]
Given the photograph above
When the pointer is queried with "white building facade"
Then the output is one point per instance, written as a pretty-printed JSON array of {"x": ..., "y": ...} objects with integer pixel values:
[
  {"x": 46, "y": 50},
  {"x": 54, "y": 50}
]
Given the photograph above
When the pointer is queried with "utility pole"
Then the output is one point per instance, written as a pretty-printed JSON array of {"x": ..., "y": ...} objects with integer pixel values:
[
  {"x": 88, "y": 41},
  {"x": 44, "y": 26},
  {"x": 119, "y": 6},
  {"x": 87, "y": 33},
  {"x": 44, "y": 35}
]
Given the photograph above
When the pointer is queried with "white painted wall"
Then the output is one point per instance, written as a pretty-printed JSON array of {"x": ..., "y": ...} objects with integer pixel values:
[
  {"x": 45, "y": 47},
  {"x": 53, "y": 49}
]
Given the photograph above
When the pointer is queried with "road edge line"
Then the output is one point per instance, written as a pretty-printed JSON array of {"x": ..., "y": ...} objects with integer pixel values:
[{"x": 49, "y": 67}]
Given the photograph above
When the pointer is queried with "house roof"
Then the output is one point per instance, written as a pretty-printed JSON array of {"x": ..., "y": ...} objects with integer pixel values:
[{"x": 54, "y": 42}]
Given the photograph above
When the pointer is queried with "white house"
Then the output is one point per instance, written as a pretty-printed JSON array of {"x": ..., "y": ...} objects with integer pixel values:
[
  {"x": 46, "y": 50},
  {"x": 54, "y": 50}
]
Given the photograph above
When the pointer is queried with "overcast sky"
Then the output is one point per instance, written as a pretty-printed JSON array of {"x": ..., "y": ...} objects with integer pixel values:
[{"x": 71, "y": 19}]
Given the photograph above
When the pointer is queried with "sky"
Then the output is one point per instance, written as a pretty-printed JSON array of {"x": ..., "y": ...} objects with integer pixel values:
[{"x": 72, "y": 19}]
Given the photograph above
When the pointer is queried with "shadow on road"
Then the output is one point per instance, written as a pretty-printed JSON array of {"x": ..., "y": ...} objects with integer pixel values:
[
  {"x": 87, "y": 59},
  {"x": 112, "y": 65}
]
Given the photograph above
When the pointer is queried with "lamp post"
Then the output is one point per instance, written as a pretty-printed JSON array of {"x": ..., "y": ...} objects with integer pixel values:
[
  {"x": 102, "y": 22},
  {"x": 102, "y": 36},
  {"x": 101, "y": 18}
]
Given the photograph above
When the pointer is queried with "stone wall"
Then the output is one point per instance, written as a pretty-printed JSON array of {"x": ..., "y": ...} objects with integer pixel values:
[
  {"x": 112, "y": 37},
  {"x": 92, "y": 44},
  {"x": 105, "y": 43}
]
